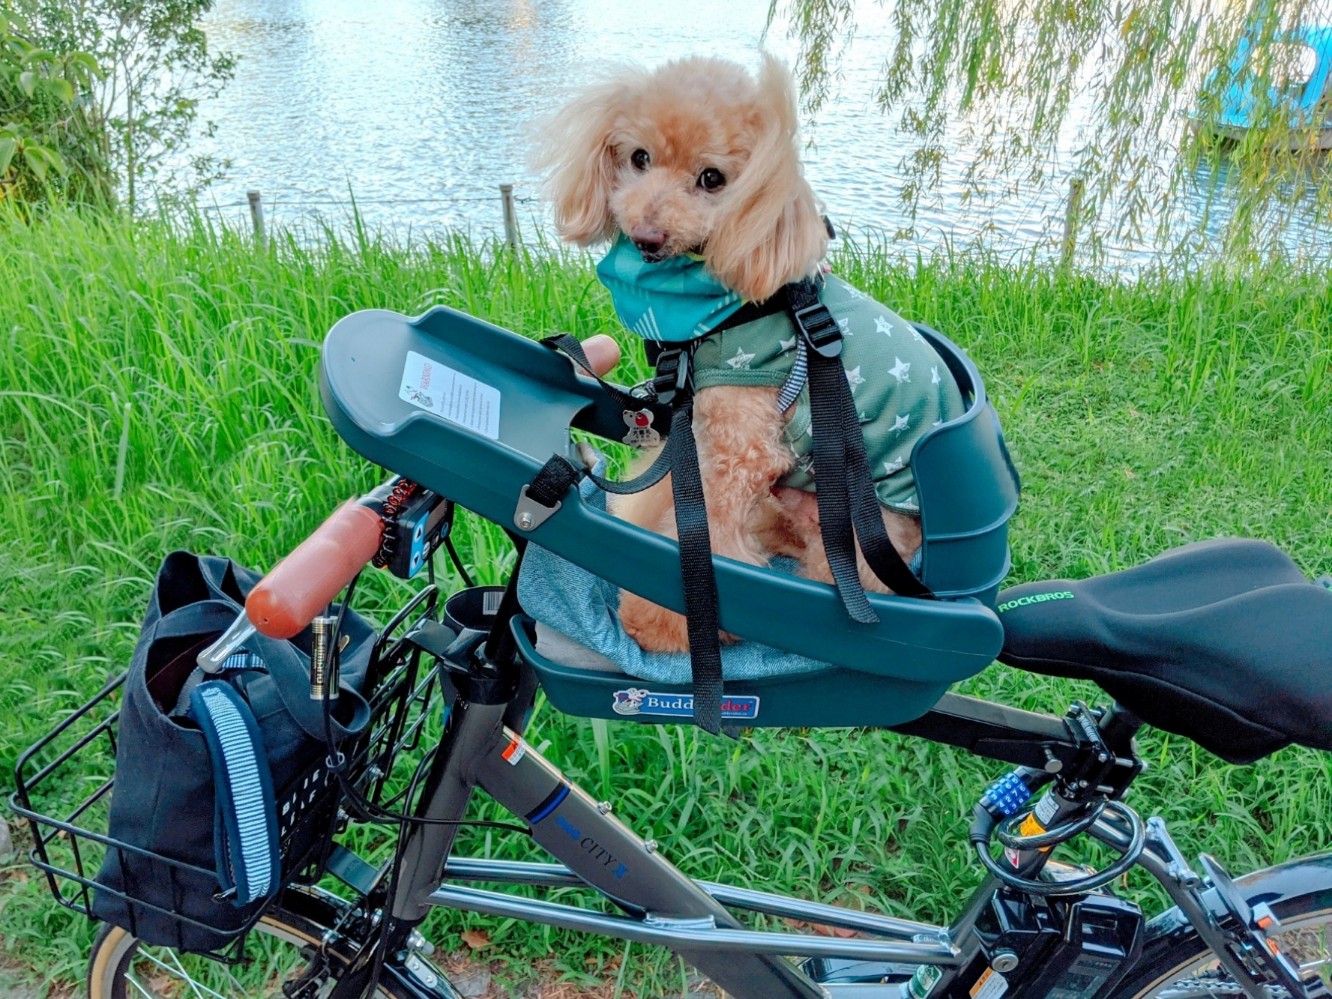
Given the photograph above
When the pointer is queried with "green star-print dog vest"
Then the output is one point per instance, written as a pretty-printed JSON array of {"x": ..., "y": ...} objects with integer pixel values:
[{"x": 901, "y": 387}]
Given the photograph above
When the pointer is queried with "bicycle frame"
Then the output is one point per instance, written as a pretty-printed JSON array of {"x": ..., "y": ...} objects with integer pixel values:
[{"x": 482, "y": 747}]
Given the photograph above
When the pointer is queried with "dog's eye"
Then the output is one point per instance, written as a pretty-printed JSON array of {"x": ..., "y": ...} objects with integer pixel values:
[
  {"x": 640, "y": 159},
  {"x": 711, "y": 179}
]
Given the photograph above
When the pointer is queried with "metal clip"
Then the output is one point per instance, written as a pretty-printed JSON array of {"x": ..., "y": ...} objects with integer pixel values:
[
  {"x": 210, "y": 660},
  {"x": 528, "y": 515}
]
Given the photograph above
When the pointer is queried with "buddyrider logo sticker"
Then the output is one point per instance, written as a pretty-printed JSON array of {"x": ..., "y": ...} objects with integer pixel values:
[{"x": 637, "y": 701}]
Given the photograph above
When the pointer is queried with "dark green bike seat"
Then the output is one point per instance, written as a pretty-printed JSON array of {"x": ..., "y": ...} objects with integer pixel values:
[{"x": 494, "y": 406}]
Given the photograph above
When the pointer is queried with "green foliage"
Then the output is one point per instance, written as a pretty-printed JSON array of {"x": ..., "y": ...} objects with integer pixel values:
[
  {"x": 157, "y": 390},
  {"x": 1003, "y": 86},
  {"x": 158, "y": 67},
  {"x": 47, "y": 145}
]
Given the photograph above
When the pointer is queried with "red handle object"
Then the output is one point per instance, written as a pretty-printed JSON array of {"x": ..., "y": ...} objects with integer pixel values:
[{"x": 300, "y": 586}]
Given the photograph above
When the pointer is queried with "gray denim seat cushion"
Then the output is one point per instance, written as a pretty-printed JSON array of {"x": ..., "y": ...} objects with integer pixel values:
[
  {"x": 583, "y": 608},
  {"x": 560, "y": 648}
]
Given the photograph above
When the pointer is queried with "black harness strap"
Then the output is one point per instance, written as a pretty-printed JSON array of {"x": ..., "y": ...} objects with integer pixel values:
[
  {"x": 696, "y": 574},
  {"x": 558, "y": 474},
  {"x": 680, "y": 458},
  {"x": 567, "y": 343},
  {"x": 549, "y": 486},
  {"x": 844, "y": 486}
]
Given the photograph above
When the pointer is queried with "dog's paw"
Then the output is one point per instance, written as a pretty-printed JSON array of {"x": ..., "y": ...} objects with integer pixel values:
[
  {"x": 653, "y": 627},
  {"x": 657, "y": 629}
]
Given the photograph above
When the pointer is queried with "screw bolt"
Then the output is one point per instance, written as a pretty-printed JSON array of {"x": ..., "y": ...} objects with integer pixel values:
[{"x": 525, "y": 521}]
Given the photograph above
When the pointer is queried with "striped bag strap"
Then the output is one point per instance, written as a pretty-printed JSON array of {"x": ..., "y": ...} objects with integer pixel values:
[{"x": 244, "y": 810}]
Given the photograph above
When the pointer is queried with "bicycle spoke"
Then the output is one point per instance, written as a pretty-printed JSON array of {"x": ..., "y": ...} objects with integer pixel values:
[
  {"x": 177, "y": 971},
  {"x": 187, "y": 977}
]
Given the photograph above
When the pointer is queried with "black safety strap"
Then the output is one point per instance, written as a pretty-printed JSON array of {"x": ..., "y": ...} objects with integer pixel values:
[
  {"x": 680, "y": 458},
  {"x": 558, "y": 475},
  {"x": 673, "y": 386},
  {"x": 696, "y": 574},
  {"x": 567, "y": 343},
  {"x": 844, "y": 487}
]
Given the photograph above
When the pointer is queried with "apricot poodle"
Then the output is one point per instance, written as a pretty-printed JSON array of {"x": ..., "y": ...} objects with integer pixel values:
[{"x": 692, "y": 172}]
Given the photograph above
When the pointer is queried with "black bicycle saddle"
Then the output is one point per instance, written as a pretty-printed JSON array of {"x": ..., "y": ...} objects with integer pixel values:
[{"x": 1226, "y": 642}]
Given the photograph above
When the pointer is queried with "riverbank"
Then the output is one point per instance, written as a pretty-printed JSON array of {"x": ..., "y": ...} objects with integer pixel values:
[{"x": 157, "y": 392}]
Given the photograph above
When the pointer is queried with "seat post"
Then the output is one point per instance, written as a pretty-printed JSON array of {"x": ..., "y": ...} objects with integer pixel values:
[{"x": 1118, "y": 727}]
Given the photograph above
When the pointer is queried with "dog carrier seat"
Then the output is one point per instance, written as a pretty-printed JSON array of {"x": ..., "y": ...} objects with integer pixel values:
[{"x": 473, "y": 412}]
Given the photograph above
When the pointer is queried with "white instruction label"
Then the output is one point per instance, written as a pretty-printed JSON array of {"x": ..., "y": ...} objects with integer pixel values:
[
  {"x": 990, "y": 985},
  {"x": 458, "y": 398}
]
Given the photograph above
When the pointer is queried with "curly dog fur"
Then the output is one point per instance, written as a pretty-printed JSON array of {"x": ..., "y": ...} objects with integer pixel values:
[{"x": 641, "y": 153}]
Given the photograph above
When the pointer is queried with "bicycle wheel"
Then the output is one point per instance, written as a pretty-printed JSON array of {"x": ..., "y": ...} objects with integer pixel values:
[
  {"x": 1189, "y": 971},
  {"x": 283, "y": 946}
]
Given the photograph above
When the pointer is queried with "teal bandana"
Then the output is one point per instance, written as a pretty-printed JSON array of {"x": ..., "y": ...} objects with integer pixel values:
[{"x": 672, "y": 301}]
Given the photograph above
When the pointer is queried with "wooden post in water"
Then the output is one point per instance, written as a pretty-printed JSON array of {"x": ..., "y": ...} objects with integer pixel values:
[
  {"x": 510, "y": 219},
  {"x": 257, "y": 219},
  {"x": 1072, "y": 211}
]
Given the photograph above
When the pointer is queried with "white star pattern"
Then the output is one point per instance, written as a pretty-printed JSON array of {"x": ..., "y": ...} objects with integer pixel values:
[
  {"x": 934, "y": 375},
  {"x": 787, "y": 344},
  {"x": 740, "y": 362},
  {"x": 901, "y": 423},
  {"x": 854, "y": 378},
  {"x": 893, "y": 467},
  {"x": 882, "y": 325},
  {"x": 845, "y": 325},
  {"x": 901, "y": 370},
  {"x": 916, "y": 333},
  {"x": 910, "y": 503},
  {"x": 854, "y": 292}
]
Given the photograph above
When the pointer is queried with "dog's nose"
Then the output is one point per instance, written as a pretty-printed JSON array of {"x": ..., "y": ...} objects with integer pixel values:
[{"x": 648, "y": 240}]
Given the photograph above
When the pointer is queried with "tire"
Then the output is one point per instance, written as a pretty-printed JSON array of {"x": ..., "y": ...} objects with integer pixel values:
[
  {"x": 1189, "y": 971},
  {"x": 277, "y": 951}
]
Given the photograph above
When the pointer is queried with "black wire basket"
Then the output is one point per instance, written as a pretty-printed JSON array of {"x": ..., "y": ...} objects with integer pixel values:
[{"x": 64, "y": 782}]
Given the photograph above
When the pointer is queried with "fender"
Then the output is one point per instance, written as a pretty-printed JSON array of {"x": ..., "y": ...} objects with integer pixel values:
[{"x": 1307, "y": 880}]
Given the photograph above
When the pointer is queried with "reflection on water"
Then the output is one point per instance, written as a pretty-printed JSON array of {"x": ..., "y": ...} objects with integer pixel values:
[{"x": 419, "y": 109}]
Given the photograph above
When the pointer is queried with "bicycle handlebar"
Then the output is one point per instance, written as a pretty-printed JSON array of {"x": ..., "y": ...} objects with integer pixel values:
[{"x": 305, "y": 582}]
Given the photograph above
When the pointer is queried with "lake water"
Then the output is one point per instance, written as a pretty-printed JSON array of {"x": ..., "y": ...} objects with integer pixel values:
[{"x": 420, "y": 108}]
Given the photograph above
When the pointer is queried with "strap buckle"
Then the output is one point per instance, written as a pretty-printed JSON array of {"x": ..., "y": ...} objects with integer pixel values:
[
  {"x": 672, "y": 377},
  {"x": 820, "y": 329}
]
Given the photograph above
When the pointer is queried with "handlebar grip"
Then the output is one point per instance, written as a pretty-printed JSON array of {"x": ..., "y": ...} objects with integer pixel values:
[{"x": 300, "y": 586}]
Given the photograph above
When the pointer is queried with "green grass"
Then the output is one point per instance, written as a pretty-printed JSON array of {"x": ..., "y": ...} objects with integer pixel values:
[{"x": 157, "y": 391}]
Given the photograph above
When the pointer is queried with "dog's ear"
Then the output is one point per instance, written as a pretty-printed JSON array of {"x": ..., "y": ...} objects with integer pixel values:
[
  {"x": 771, "y": 231},
  {"x": 575, "y": 152}
]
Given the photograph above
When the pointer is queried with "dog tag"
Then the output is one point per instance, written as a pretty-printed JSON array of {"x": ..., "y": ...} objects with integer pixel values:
[{"x": 641, "y": 434}]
